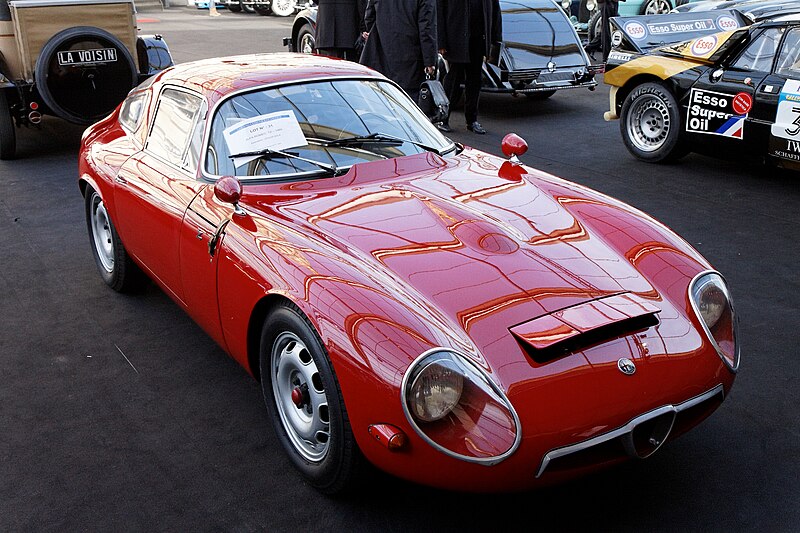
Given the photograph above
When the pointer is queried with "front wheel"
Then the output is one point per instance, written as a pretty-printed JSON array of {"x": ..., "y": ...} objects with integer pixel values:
[
  {"x": 283, "y": 8},
  {"x": 306, "y": 43},
  {"x": 595, "y": 25},
  {"x": 115, "y": 265},
  {"x": 8, "y": 132},
  {"x": 650, "y": 124},
  {"x": 305, "y": 404},
  {"x": 262, "y": 9}
]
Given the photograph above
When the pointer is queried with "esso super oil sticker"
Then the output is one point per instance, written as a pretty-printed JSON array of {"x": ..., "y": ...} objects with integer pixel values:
[
  {"x": 726, "y": 23},
  {"x": 716, "y": 113},
  {"x": 704, "y": 46},
  {"x": 635, "y": 30}
]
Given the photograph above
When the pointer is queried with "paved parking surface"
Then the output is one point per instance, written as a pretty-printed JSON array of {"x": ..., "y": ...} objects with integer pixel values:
[{"x": 118, "y": 413}]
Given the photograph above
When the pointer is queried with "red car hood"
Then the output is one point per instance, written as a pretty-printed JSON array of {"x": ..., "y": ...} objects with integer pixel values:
[{"x": 479, "y": 246}]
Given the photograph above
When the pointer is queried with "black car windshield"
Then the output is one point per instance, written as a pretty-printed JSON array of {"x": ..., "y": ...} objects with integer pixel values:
[{"x": 371, "y": 119}]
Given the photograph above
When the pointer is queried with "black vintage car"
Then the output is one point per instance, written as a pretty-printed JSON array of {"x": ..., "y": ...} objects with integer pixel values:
[
  {"x": 540, "y": 54},
  {"x": 707, "y": 82}
]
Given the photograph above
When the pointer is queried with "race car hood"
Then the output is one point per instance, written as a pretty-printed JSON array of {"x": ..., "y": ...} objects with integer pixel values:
[
  {"x": 536, "y": 33},
  {"x": 482, "y": 245},
  {"x": 641, "y": 34}
]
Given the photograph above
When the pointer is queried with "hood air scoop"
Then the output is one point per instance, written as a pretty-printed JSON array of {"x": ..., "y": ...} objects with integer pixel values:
[{"x": 574, "y": 328}]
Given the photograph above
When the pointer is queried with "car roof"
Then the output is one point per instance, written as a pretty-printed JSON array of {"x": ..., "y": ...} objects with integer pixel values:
[{"x": 220, "y": 76}]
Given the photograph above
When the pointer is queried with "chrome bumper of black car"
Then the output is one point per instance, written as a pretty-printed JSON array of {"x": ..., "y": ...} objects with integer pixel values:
[
  {"x": 640, "y": 437},
  {"x": 506, "y": 89}
]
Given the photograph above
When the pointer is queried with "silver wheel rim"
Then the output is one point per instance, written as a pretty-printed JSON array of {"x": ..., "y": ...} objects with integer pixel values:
[
  {"x": 282, "y": 8},
  {"x": 648, "y": 123},
  {"x": 308, "y": 426},
  {"x": 307, "y": 44},
  {"x": 101, "y": 233},
  {"x": 657, "y": 7}
]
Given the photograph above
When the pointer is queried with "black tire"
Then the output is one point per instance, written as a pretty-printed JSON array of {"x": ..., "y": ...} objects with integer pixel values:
[
  {"x": 115, "y": 265},
  {"x": 283, "y": 8},
  {"x": 656, "y": 7},
  {"x": 540, "y": 95},
  {"x": 234, "y": 7},
  {"x": 292, "y": 356},
  {"x": 650, "y": 124},
  {"x": 247, "y": 8},
  {"x": 262, "y": 9},
  {"x": 8, "y": 131},
  {"x": 82, "y": 92},
  {"x": 595, "y": 24},
  {"x": 306, "y": 41}
]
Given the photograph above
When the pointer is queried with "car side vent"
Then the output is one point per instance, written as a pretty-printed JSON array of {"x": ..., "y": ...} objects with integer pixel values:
[
  {"x": 575, "y": 328},
  {"x": 590, "y": 338}
]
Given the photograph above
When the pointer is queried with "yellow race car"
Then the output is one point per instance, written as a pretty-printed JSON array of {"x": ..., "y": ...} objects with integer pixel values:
[{"x": 707, "y": 83}]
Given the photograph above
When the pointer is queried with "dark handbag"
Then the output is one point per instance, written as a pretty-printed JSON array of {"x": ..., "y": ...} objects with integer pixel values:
[{"x": 433, "y": 101}]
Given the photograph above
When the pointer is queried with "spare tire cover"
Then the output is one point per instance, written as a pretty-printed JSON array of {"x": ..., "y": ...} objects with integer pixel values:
[{"x": 83, "y": 73}]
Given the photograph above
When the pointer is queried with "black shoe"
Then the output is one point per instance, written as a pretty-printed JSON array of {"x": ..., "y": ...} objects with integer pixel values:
[
  {"x": 476, "y": 127},
  {"x": 444, "y": 126}
]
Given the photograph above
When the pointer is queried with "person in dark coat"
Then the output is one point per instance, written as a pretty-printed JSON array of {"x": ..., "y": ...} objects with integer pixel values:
[
  {"x": 602, "y": 39},
  {"x": 339, "y": 24},
  {"x": 468, "y": 30},
  {"x": 401, "y": 41}
]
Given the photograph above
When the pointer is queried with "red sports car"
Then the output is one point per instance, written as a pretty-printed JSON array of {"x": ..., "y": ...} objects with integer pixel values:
[{"x": 454, "y": 318}]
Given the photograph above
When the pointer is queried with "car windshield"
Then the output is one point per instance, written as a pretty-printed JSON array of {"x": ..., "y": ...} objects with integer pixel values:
[{"x": 306, "y": 128}]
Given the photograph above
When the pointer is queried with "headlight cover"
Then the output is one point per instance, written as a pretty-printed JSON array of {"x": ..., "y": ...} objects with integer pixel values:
[
  {"x": 565, "y": 4},
  {"x": 456, "y": 408},
  {"x": 591, "y": 5},
  {"x": 712, "y": 304}
]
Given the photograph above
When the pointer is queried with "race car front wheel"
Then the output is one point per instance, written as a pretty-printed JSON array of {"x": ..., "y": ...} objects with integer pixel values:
[
  {"x": 650, "y": 124},
  {"x": 304, "y": 400}
]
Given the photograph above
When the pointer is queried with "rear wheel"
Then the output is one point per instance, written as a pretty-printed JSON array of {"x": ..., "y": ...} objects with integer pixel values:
[
  {"x": 8, "y": 132},
  {"x": 650, "y": 124},
  {"x": 115, "y": 265},
  {"x": 83, "y": 73},
  {"x": 306, "y": 43},
  {"x": 283, "y": 8},
  {"x": 304, "y": 401}
]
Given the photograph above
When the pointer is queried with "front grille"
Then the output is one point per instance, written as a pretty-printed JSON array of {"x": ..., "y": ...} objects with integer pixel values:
[
  {"x": 611, "y": 446},
  {"x": 540, "y": 76}
]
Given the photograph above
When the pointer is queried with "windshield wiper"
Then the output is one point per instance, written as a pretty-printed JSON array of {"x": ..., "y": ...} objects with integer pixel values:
[
  {"x": 377, "y": 137},
  {"x": 333, "y": 170}
]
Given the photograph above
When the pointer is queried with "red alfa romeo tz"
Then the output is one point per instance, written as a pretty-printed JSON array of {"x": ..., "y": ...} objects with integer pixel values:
[{"x": 454, "y": 318}]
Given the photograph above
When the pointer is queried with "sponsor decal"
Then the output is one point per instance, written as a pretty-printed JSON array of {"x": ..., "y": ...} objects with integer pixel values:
[
  {"x": 87, "y": 57},
  {"x": 635, "y": 30},
  {"x": 716, "y": 113},
  {"x": 681, "y": 27},
  {"x": 742, "y": 103},
  {"x": 704, "y": 46},
  {"x": 616, "y": 38},
  {"x": 620, "y": 56},
  {"x": 785, "y": 139},
  {"x": 726, "y": 23}
]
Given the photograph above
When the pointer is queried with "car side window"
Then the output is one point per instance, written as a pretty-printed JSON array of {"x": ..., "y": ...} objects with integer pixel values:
[
  {"x": 132, "y": 111},
  {"x": 173, "y": 126},
  {"x": 760, "y": 53},
  {"x": 789, "y": 58}
]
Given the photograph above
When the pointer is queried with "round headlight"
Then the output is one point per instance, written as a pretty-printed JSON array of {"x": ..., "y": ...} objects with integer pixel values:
[
  {"x": 456, "y": 408},
  {"x": 591, "y": 5},
  {"x": 435, "y": 391},
  {"x": 712, "y": 304},
  {"x": 565, "y": 4}
]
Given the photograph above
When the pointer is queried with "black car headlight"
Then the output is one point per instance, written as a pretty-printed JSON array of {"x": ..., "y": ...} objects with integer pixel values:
[
  {"x": 565, "y": 5},
  {"x": 712, "y": 303},
  {"x": 456, "y": 408},
  {"x": 591, "y": 5}
]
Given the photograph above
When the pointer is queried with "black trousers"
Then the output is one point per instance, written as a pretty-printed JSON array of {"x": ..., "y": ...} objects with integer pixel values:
[{"x": 470, "y": 74}]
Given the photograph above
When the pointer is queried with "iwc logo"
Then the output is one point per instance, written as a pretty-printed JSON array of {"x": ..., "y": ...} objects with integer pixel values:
[{"x": 626, "y": 366}]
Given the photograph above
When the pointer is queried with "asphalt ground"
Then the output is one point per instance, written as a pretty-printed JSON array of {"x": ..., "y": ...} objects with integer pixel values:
[{"x": 118, "y": 413}]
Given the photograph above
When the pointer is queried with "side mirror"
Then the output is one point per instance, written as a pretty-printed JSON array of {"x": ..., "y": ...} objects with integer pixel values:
[
  {"x": 228, "y": 190},
  {"x": 514, "y": 146}
]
